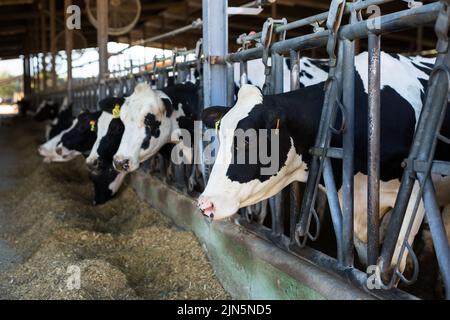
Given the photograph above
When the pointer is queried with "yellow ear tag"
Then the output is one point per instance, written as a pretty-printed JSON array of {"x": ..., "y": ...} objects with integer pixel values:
[
  {"x": 92, "y": 123},
  {"x": 217, "y": 125},
  {"x": 278, "y": 126},
  {"x": 116, "y": 112}
]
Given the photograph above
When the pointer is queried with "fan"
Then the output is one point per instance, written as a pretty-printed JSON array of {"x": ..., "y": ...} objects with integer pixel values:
[
  {"x": 79, "y": 41},
  {"x": 122, "y": 15}
]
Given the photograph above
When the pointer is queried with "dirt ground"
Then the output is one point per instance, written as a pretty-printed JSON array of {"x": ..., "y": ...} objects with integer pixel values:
[{"x": 49, "y": 231}]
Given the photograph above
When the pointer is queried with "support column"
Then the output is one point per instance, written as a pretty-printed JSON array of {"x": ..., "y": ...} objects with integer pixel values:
[
  {"x": 215, "y": 43},
  {"x": 69, "y": 47},
  {"x": 53, "y": 47},
  {"x": 26, "y": 75},
  {"x": 102, "y": 42},
  {"x": 44, "y": 48}
]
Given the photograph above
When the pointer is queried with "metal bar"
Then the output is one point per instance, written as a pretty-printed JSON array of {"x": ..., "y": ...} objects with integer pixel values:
[
  {"x": 276, "y": 202},
  {"x": 69, "y": 47},
  {"x": 102, "y": 42},
  {"x": 335, "y": 209},
  {"x": 295, "y": 200},
  {"x": 373, "y": 170},
  {"x": 315, "y": 18},
  {"x": 53, "y": 47},
  {"x": 405, "y": 19},
  {"x": 422, "y": 149},
  {"x": 323, "y": 138},
  {"x": 215, "y": 43},
  {"x": 348, "y": 136},
  {"x": 438, "y": 233},
  {"x": 244, "y": 73},
  {"x": 44, "y": 48}
]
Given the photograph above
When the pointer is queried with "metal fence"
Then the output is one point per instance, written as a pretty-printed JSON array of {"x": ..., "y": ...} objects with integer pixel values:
[{"x": 304, "y": 223}]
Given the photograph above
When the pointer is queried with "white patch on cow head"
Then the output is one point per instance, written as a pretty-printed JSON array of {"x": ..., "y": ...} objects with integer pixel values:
[
  {"x": 222, "y": 196},
  {"x": 102, "y": 129},
  {"x": 147, "y": 128},
  {"x": 48, "y": 149}
]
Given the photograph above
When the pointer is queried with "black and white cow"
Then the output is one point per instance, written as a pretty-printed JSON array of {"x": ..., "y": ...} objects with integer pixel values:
[
  {"x": 312, "y": 71},
  {"x": 79, "y": 139},
  {"x": 295, "y": 116},
  {"x": 57, "y": 118},
  {"x": 73, "y": 141},
  {"x": 152, "y": 119},
  {"x": 110, "y": 128}
]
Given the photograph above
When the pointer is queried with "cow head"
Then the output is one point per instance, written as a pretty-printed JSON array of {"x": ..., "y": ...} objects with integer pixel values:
[
  {"x": 109, "y": 133},
  {"x": 106, "y": 182},
  {"x": 147, "y": 127},
  {"x": 81, "y": 137},
  {"x": 234, "y": 184},
  {"x": 47, "y": 110}
]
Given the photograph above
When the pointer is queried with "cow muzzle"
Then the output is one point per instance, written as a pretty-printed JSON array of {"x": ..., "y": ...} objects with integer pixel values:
[
  {"x": 207, "y": 208},
  {"x": 122, "y": 165}
]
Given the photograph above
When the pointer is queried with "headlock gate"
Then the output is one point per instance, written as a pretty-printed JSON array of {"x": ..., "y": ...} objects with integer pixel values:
[{"x": 214, "y": 73}]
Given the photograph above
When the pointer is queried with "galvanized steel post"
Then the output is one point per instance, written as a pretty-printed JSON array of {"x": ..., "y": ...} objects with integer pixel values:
[
  {"x": 215, "y": 44},
  {"x": 102, "y": 39},
  {"x": 69, "y": 47},
  {"x": 373, "y": 156}
]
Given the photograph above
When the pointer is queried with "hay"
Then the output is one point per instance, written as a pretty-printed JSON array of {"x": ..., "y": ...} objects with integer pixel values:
[{"x": 123, "y": 249}]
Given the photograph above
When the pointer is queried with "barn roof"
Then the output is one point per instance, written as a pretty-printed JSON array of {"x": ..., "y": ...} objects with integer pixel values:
[{"x": 19, "y": 24}]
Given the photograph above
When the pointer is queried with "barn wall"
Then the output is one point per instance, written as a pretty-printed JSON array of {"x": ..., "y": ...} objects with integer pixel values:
[{"x": 248, "y": 267}]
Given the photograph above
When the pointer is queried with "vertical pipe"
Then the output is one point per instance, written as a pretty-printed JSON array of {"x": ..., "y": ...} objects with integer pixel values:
[
  {"x": 215, "y": 43},
  {"x": 36, "y": 51},
  {"x": 69, "y": 47},
  {"x": 43, "y": 16},
  {"x": 295, "y": 186},
  {"x": 438, "y": 232},
  {"x": 243, "y": 73},
  {"x": 373, "y": 188},
  {"x": 102, "y": 40},
  {"x": 53, "y": 47},
  {"x": 26, "y": 68},
  {"x": 348, "y": 154},
  {"x": 230, "y": 84}
]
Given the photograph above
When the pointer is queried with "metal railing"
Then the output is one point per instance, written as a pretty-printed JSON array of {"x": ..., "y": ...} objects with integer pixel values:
[
  {"x": 303, "y": 212},
  {"x": 339, "y": 43}
]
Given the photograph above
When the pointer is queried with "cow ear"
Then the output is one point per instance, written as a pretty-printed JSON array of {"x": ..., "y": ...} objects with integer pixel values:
[
  {"x": 213, "y": 114},
  {"x": 108, "y": 104},
  {"x": 274, "y": 119}
]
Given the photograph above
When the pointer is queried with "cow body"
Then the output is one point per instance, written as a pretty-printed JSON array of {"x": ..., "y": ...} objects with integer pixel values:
[
  {"x": 57, "y": 118},
  {"x": 312, "y": 71},
  {"x": 296, "y": 116}
]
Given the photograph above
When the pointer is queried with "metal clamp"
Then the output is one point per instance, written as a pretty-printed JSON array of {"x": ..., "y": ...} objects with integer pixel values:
[
  {"x": 442, "y": 26},
  {"x": 267, "y": 39},
  {"x": 337, "y": 8}
]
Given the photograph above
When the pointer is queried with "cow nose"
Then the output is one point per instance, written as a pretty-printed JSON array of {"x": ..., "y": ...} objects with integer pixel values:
[
  {"x": 207, "y": 209},
  {"x": 58, "y": 151},
  {"x": 121, "y": 165}
]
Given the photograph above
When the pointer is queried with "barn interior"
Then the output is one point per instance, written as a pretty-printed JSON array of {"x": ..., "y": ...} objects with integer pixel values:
[{"x": 52, "y": 59}]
